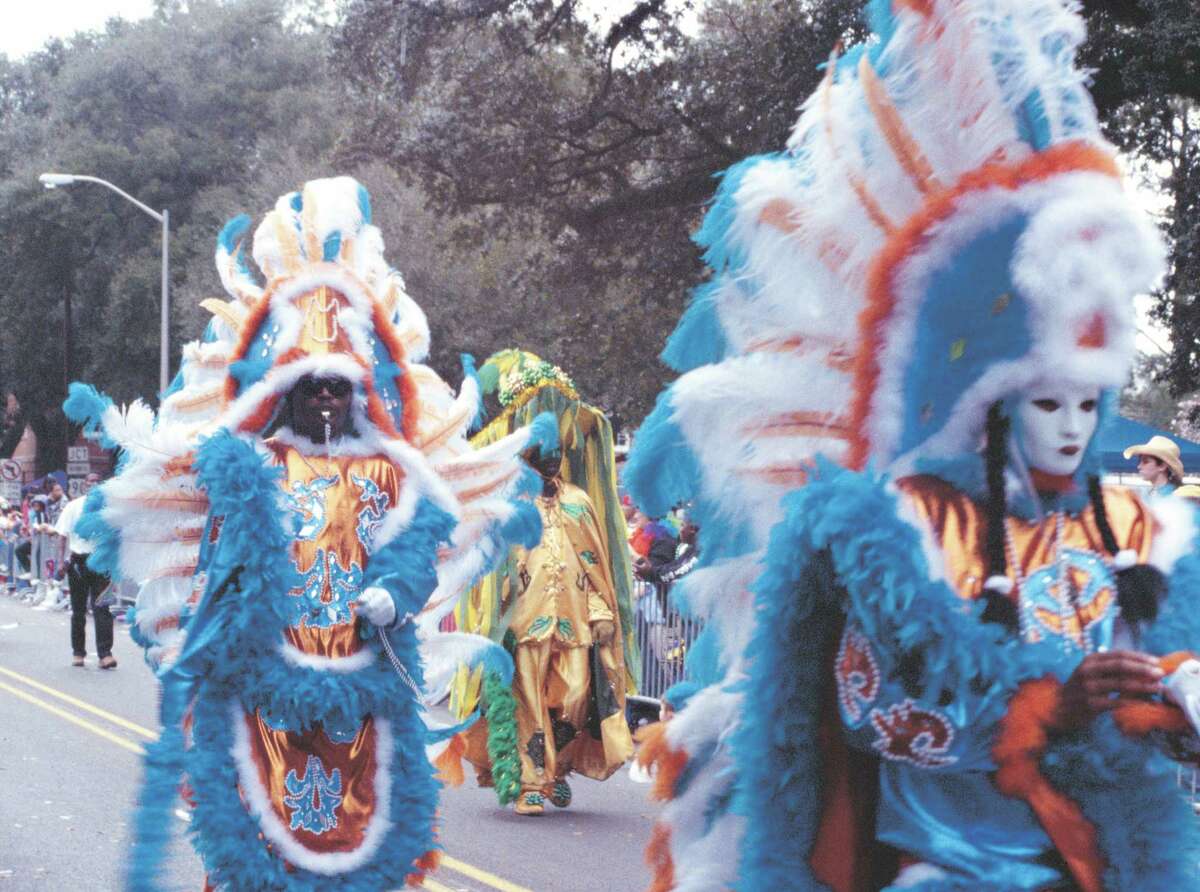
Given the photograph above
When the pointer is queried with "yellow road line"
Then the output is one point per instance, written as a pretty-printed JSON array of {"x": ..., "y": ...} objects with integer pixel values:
[
  {"x": 80, "y": 704},
  {"x": 82, "y": 723},
  {"x": 482, "y": 876},
  {"x": 467, "y": 870}
]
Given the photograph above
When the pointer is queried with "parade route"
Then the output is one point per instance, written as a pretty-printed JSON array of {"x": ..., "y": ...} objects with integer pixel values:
[{"x": 70, "y": 747}]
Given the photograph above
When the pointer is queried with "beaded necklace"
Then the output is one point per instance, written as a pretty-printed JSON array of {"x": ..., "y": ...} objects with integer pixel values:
[{"x": 1065, "y": 597}]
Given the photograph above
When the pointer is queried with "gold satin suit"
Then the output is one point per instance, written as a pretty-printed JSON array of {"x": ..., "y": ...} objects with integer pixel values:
[{"x": 561, "y": 587}]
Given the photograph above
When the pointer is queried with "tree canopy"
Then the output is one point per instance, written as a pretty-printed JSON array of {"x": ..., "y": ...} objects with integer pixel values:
[{"x": 537, "y": 173}]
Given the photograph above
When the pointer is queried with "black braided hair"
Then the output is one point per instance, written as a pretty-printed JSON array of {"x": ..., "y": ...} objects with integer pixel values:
[
  {"x": 1140, "y": 587},
  {"x": 999, "y": 608},
  {"x": 1097, "y": 496}
]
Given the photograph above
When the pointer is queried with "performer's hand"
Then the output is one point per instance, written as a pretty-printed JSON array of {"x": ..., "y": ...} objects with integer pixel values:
[
  {"x": 603, "y": 631},
  {"x": 375, "y": 605},
  {"x": 1101, "y": 681}
]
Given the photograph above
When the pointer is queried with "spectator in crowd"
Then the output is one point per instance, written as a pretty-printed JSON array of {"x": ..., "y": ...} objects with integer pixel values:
[
  {"x": 1158, "y": 464},
  {"x": 35, "y": 522},
  {"x": 55, "y": 502},
  {"x": 663, "y": 570},
  {"x": 667, "y": 562},
  {"x": 86, "y": 586}
]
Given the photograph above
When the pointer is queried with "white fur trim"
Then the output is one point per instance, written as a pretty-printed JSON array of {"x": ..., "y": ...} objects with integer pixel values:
[
  {"x": 326, "y": 864},
  {"x": 442, "y": 653},
  {"x": 1055, "y": 318},
  {"x": 917, "y": 874},
  {"x": 359, "y": 447},
  {"x": 293, "y": 656},
  {"x": 1174, "y": 531},
  {"x": 281, "y": 379},
  {"x": 1001, "y": 585},
  {"x": 1124, "y": 559}
]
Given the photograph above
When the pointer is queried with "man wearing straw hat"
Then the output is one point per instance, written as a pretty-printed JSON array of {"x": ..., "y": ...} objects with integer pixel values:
[{"x": 1158, "y": 464}]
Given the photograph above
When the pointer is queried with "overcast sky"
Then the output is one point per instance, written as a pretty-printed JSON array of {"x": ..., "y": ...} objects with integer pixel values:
[{"x": 29, "y": 25}]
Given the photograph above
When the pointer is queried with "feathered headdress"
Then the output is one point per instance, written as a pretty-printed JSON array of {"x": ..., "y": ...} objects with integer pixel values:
[{"x": 328, "y": 303}]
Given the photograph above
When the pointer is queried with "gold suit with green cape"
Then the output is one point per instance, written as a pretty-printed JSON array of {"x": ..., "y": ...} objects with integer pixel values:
[
  {"x": 587, "y": 524},
  {"x": 569, "y": 691}
]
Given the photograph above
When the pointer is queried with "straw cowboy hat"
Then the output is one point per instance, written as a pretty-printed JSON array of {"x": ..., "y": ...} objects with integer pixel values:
[
  {"x": 1164, "y": 450},
  {"x": 1188, "y": 491}
]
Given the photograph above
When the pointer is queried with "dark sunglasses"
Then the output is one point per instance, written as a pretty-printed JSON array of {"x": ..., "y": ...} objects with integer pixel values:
[{"x": 310, "y": 386}]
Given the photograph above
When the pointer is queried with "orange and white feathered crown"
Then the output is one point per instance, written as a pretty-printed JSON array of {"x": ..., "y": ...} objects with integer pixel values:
[{"x": 330, "y": 305}]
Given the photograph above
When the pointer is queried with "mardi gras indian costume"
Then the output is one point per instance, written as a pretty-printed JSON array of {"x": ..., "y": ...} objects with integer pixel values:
[
  {"x": 292, "y": 584},
  {"x": 561, "y": 607},
  {"x": 941, "y": 655}
]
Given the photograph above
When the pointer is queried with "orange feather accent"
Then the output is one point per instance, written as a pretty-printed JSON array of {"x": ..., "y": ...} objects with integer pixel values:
[
  {"x": 386, "y": 332},
  {"x": 427, "y": 863},
  {"x": 439, "y": 436},
  {"x": 179, "y": 465},
  {"x": 865, "y": 198},
  {"x": 1094, "y": 334},
  {"x": 658, "y": 857},
  {"x": 881, "y": 293},
  {"x": 249, "y": 331},
  {"x": 781, "y": 475},
  {"x": 1171, "y": 662},
  {"x": 1023, "y": 737},
  {"x": 1137, "y": 718},
  {"x": 262, "y": 414},
  {"x": 449, "y": 763},
  {"x": 668, "y": 763},
  {"x": 205, "y": 398},
  {"x": 469, "y": 495},
  {"x": 898, "y": 137},
  {"x": 197, "y": 503},
  {"x": 180, "y": 572},
  {"x": 777, "y": 213},
  {"x": 799, "y": 424}
]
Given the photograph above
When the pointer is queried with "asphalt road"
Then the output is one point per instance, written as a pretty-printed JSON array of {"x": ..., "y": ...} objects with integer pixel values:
[{"x": 70, "y": 765}]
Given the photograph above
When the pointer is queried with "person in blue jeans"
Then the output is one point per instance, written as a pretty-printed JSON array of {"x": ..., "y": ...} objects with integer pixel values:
[{"x": 87, "y": 587}]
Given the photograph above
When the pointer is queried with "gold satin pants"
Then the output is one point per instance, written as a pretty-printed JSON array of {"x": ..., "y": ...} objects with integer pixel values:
[{"x": 551, "y": 689}]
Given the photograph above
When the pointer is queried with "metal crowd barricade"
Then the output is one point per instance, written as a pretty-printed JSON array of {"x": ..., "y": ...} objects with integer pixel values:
[
  {"x": 663, "y": 636},
  {"x": 9, "y": 568},
  {"x": 47, "y": 562}
]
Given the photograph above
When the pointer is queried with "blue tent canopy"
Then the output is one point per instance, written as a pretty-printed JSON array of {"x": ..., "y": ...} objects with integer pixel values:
[{"x": 1121, "y": 433}]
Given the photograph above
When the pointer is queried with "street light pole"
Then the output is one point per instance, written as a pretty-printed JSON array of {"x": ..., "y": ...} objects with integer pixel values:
[
  {"x": 54, "y": 180},
  {"x": 164, "y": 369}
]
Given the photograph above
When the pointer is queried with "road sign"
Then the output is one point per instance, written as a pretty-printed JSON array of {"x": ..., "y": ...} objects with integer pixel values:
[
  {"x": 77, "y": 453},
  {"x": 10, "y": 471},
  {"x": 78, "y": 468}
]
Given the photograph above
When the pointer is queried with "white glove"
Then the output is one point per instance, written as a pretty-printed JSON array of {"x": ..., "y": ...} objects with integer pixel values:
[
  {"x": 1183, "y": 688},
  {"x": 375, "y": 605}
]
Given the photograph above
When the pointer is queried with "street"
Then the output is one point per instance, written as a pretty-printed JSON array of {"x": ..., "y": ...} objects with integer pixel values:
[{"x": 70, "y": 766}]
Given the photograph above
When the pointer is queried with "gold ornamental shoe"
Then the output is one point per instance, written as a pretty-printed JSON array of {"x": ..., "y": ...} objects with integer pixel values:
[{"x": 531, "y": 803}]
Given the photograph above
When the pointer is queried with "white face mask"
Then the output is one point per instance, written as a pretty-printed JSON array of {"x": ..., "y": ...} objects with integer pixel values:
[{"x": 1057, "y": 421}]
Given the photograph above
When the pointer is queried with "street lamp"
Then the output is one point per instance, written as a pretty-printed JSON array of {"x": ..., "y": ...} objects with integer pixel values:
[{"x": 54, "y": 180}]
